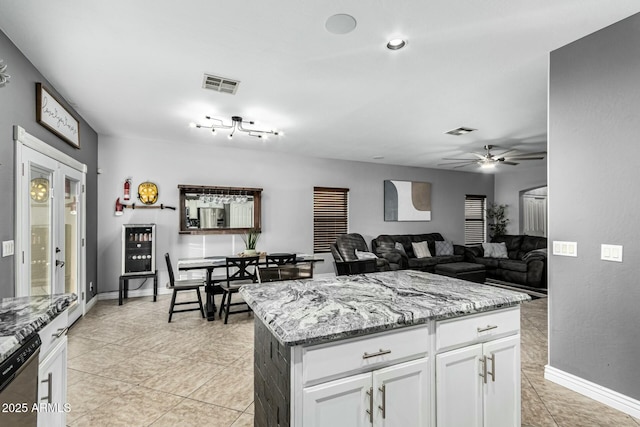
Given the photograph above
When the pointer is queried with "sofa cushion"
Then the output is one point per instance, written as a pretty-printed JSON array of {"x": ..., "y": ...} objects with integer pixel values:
[
  {"x": 531, "y": 243},
  {"x": 421, "y": 249},
  {"x": 513, "y": 243},
  {"x": 495, "y": 250},
  {"x": 513, "y": 265},
  {"x": 446, "y": 259},
  {"x": 443, "y": 248},
  {"x": 421, "y": 263},
  {"x": 488, "y": 262},
  {"x": 400, "y": 248}
]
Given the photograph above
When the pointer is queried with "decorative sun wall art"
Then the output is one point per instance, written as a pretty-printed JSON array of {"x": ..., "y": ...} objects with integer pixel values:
[{"x": 407, "y": 201}]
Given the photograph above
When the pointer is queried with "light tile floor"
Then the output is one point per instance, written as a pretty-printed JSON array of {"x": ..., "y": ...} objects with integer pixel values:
[{"x": 129, "y": 367}]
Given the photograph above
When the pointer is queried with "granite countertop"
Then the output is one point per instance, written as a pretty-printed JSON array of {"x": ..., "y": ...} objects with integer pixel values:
[
  {"x": 21, "y": 317},
  {"x": 330, "y": 308}
]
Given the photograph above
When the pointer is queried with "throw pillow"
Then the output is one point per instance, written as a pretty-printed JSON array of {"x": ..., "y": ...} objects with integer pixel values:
[
  {"x": 495, "y": 250},
  {"x": 365, "y": 255},
  {"x": 444, "y": 248},
  {"x": 400, "y": 248},
  {"x": 421, "y": 249}
]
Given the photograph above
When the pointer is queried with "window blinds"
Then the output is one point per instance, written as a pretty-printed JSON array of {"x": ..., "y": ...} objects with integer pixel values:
[
  {"x": 475, "y": 226},
  {"x": 330, "y": 216}
]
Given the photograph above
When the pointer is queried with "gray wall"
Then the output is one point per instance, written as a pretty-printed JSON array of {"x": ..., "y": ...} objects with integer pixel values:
[
  {"x": 287, "y": 180},
  {"x": 594, "y": 119},
  {"x": 18, "y": 107},
  {"x": 508, "y": 188}
]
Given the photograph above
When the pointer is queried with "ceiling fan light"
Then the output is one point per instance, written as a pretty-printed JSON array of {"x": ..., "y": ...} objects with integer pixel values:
[{"x": 487, "y": 165}]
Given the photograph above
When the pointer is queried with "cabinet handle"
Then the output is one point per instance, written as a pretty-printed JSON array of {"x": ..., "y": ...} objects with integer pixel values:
[
  {"x": 493, "y": 368},
  {"x": 381, "y": 352},
  {"x": 60, "y": 332},
  {"x": 488, "y": 328},
  {"x": 483, "y": 373},
  {"x": 383, "y": 407},
  {"x": 370, "y": 410},
  {"x": 49, "y": 382}
]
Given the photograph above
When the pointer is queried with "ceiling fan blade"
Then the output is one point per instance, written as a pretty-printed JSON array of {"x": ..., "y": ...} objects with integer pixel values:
[
  {"x": 521, "y": 155},
  {"x": 460, "y": 160},
  {"x": 524, "y": 158},
  {"x": 480, "y": 156},
  {"x": 506, "y": 153},
  {"x": 457, "y": 163},
  {"x": 462, "y": 166},
  {"x": 503, "y": 162}
]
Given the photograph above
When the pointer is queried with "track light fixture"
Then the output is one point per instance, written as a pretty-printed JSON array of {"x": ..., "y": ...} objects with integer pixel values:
[{"x": 237, "y": 124}]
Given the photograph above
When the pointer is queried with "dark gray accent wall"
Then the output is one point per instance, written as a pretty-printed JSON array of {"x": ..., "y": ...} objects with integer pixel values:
[
  {"x": 18, "y": 107},
  {"x": 594, "y": 123}
]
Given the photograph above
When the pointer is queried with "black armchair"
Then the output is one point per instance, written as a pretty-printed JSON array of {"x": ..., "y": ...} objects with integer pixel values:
[{"x": 346, "y": 261}]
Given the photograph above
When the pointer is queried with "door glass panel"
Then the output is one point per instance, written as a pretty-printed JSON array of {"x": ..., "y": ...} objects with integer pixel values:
[
  {"x": 41, "y": 230},
  {"x": 70, "y": 236}
]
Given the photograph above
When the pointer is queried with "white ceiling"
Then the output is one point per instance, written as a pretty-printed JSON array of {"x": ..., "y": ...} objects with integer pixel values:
[{"x": 134, "y": 69}]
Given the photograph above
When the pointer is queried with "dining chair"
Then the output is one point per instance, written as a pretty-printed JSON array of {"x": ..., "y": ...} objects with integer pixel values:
[
  {"x": 280, "y": 259},
  {"x": 285, "y": 272},
  {"x": 240, "y": 271},
  {"x": 179, "y": 285}
]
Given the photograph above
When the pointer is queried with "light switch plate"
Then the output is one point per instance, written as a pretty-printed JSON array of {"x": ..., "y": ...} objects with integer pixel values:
[
  {"x": 7, "y": 248},
  {"x": 565, "y": 248},
  {"x": 611, "y": 253}
]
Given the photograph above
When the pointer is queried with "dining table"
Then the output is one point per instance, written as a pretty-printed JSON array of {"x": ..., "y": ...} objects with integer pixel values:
[{"x": 213, "y": 284}]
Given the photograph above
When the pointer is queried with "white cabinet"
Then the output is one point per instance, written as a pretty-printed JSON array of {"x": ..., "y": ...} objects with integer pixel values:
[
  {"x": 52, "y": 374},
  {"x": 394, "y": 396},
  {"x": 479, "y": 384}
]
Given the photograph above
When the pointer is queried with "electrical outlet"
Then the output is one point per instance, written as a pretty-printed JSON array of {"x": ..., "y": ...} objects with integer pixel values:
[
  {"x": 7, "y": 248},
  {"x": 91, "y": 286}
]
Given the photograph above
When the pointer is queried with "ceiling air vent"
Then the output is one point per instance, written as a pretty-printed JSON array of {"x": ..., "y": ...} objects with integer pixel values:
[
  {"x": 460, "y": 131},
  {"x": 220, "y": 84}
]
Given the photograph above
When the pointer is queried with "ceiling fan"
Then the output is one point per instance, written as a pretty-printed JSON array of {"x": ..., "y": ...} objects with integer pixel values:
[{"x": 489, "y": 160}]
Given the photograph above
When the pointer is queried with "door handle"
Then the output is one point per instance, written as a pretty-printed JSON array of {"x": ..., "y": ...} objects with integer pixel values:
[
  {"x": 493, "y": 368},
  {"x": 49, "y": 382},
  {"x": 59, "y": 263},
  {"x": 383, "y": 407},
  {"x": 483, "y": 374},
  {"x": 370, "y": 410}
]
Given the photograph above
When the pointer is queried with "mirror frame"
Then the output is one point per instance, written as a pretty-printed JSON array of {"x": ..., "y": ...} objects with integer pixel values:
[{"x": 257, "y": 203}]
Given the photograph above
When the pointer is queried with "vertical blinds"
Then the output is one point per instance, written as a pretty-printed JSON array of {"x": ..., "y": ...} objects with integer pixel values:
[
  {"x": 330, "y": 216},
  {"x": 475, "y": 227}
]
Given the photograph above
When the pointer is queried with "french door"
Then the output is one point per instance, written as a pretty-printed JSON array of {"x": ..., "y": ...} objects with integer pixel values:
[{"x": 50, "y": 227}]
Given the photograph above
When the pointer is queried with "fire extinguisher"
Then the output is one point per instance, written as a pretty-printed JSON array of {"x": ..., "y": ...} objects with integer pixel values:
[{"x": 127, "y": 189}]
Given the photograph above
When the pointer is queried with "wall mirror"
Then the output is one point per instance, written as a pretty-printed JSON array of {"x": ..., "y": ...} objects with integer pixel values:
[{"x": 219, "y": 210}]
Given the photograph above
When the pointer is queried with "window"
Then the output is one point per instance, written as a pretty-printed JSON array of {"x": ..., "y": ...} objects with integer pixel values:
[
  {"x": 330, "y": 216},
  {"x": 475, "y": 226}
]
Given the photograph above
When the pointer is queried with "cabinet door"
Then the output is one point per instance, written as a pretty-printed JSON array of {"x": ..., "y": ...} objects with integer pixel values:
[
  {"x": 340, "y": 403},
  {"x": 52, "y": 388},
  {"x": 402, "y": 395},
  {"x": 459, "y": 387},
  {"x": 502, "y": 391}
]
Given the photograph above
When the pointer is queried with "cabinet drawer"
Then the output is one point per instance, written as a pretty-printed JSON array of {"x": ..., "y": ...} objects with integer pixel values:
[
  {"x": 362, "y": 354},
  {"x": 477, "y": 328},
  {"x": 52, "y": 333}
]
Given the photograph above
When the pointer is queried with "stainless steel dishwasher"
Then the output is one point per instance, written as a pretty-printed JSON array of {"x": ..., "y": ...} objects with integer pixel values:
[{"x": 19, "y": 385}]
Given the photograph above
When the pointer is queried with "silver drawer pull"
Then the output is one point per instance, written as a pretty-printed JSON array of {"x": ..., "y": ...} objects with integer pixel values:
[
  {"x": 488, "y": 328},
  {"x": 381, "y": 352},
  {"x": 60, "y": 332}
]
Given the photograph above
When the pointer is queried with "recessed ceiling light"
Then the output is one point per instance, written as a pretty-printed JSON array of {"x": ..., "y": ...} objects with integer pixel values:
[
  {"x": 460, "y": 131},
  {"x": 396, "y": 44},
  {"x": 340, "y": 24}
]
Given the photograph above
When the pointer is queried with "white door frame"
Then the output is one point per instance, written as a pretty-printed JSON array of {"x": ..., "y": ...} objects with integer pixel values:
[{"x": 24, "y": 139}]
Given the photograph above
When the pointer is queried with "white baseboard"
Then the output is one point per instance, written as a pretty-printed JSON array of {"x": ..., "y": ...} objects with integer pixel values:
[
  {"x": 89, "y": 305},
  {"x": 594, "y": 391},
  {"x": 133, "y": 293}
]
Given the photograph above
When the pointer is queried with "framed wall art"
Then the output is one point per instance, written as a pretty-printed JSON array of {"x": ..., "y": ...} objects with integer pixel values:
[
  {"x": 52, "y": 115},
  {"x": 407, "y": 201}
]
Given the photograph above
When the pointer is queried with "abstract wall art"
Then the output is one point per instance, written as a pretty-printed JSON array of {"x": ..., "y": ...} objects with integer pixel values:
[{"x": 407, "y": 201}]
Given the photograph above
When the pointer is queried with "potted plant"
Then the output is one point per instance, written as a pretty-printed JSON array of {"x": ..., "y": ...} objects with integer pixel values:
[
  {"x": 250, "y": 240},
  {"x": 498, "y": 220}
]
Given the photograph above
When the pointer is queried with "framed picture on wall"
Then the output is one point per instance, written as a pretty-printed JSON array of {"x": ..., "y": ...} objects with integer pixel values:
[
  {"x": 407, "y": 201},
  {"x": 52, "y": 115}
]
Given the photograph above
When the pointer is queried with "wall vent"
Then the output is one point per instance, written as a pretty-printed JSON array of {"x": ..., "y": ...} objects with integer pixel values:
[{"x": 220, "y": 84}]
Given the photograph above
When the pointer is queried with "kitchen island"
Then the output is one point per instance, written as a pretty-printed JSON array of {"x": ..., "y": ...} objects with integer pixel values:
[{"x": 402, "y": 348}]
